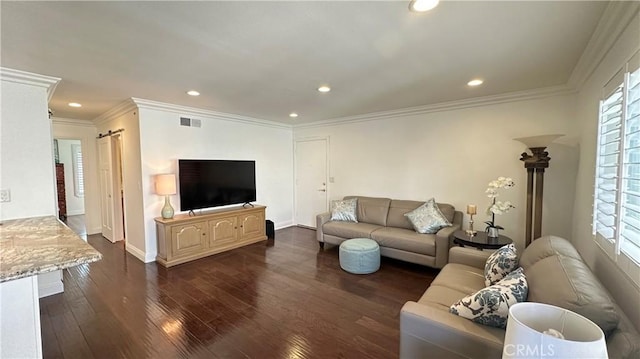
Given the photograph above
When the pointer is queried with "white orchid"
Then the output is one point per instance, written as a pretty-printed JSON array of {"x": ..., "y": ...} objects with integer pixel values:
[{"x": 498, "y": 207}]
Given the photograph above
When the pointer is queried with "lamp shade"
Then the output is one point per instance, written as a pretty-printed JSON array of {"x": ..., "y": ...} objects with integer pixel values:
[
  {"x": 538, "y": 141},
  {"x": 165, "y": 184},
  {"x": 531, "y": 328}
]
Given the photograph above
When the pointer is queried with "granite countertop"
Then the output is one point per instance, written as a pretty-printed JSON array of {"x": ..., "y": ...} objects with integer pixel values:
[{"x": 31, "y": 246}]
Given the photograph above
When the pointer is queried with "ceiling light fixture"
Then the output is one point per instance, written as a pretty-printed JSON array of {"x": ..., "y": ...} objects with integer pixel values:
[
  {"x": 74, "y": 104},
  {"x": 293, "y": 115},
  {"x": 475, "y": 82},
  {"x": 324, "y": 88},
  {"x": 423, "y": 5},
  {"x": 193, "y": 93}
]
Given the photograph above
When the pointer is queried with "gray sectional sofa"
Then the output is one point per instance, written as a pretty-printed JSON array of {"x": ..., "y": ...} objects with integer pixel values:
[
  {"x": 383, "y": 220},
  {"x": 556, "y": 275}
]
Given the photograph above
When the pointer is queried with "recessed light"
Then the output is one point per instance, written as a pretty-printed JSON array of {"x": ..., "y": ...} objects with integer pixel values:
[
  {"x": 293, "y": 115},
  {"x": 423, "y": 5},
  {"x": 74, "y": 104},
  {"x": 475, "y": 82},
  {"x": 193, "y": 93},
  {"x": 324, "y": 88}
]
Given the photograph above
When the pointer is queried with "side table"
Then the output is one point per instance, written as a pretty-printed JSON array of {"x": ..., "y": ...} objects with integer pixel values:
[{"x": 479, "y": 240}]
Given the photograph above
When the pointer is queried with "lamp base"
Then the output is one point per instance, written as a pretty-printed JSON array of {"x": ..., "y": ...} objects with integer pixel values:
[{"x": 167, "y": 210}]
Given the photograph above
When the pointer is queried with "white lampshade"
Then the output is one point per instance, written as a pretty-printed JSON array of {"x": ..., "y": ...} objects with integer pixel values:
[
  {"x": 525, "y": 337},
  {"x": 538, "y": 141},
  {"x": 165, "y": 184}
]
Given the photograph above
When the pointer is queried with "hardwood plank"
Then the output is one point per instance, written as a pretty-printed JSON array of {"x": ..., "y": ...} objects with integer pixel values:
[{"x": 282, "y": 298}]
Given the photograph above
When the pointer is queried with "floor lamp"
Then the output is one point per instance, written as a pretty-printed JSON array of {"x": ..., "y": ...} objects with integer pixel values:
[{"x": 536, "y": 162}]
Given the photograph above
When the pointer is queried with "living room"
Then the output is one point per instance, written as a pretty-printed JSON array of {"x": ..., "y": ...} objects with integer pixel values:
[{"x": 449, "y": 150}]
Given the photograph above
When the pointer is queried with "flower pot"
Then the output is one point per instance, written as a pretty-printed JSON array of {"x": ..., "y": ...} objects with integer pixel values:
[{"x": 492, "y": 232}]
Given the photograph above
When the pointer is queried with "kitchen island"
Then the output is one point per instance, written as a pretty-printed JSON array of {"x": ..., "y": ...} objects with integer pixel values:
[{"x": 29, "y": 247}]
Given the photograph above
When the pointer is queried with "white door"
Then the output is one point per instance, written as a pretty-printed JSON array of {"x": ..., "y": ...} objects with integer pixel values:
[
  {"x": 311, "y": 180},
  {"x": 105, "y": 164}
]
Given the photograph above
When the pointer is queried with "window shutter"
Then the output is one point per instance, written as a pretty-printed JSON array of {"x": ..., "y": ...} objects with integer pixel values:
[
  {"x": 78, "y": 171},
  {"x": 630, "y": 201}
]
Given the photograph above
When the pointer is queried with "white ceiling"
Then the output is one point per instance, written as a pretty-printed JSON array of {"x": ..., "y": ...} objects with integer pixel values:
[{"x": 265, "y": 59}]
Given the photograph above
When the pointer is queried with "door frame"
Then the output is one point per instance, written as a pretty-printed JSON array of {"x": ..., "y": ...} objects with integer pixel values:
[
  {"x": 327, "y": 140},
  {"x": 83, "y": 147}
]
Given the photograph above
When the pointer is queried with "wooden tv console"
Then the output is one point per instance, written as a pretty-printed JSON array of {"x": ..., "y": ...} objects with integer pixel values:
[{"x": 184, "y": 238}]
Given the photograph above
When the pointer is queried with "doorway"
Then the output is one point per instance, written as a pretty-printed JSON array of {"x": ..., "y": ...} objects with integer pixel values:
[
  {"x": 311, "y": 164},
  {"x": 111, "y": 187},
  {"x": 70, "y": 186}
]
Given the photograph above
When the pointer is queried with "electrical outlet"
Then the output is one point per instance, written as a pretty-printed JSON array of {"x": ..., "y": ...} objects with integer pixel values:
[{"x": 5, "y": 195}]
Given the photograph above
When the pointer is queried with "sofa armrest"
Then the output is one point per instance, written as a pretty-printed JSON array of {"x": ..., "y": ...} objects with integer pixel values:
[
  {"x": 469, "y": 256},
  {"x": 425, "y": 329},
  {"x": 321, "y": 219},
  {"x": 442, "y": 245}
]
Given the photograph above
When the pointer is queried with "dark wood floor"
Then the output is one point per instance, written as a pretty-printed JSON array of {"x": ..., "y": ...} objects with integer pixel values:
[{"x": 282, "y": 299}]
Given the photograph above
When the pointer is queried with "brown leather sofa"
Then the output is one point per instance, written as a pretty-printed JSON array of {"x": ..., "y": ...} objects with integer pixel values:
[
  {"x": 556, "y": 275},
  {"x": 383, "y": 220}
]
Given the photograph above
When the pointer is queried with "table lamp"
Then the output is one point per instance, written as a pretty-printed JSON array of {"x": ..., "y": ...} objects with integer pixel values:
[
  {"x": 471, "y": 210},
  {"x": 166, "y": 186},
  {"x": 537, "y": 330}
]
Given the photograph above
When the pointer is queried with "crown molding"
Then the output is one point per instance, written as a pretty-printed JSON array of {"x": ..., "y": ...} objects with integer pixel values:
[
  {"x": 72, "y": 122},
  {"x": 121, "y": 109},
  {"x": 30, "y": 78},
  {"x": 612, "y": 24},
  {"x": 192, "y": 111},
  {"x": 447, "y": 106}
]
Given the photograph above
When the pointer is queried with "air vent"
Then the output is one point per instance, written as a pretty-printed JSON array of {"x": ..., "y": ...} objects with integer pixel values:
[{"x": 190, "y": 122}]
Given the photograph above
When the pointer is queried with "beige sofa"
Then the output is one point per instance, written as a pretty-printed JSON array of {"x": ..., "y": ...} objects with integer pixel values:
[
  {"x": 556, "y": 275},
  {"x": 383, "y": 220}
]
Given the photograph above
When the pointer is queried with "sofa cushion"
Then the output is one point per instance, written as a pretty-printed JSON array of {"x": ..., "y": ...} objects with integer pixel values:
[
  {"x": 398, "y": 208},
  {"x": 349, "y": 229},
  {"x": 372, "y": 210},
  {"x": 547, "y": 246},
  {"x": 558, "y": 276},
  {"x": 500, "y": 263},
  {"x": 463, "y": 278},
  {"x": 490, "y": 305},
  {"x": 406, "y": 240},
  {"x": 344, "y": 210},
  {"x": 427, "y": 218},
  {"x": 441, "y": 296},
  {"x": 568, "y": 283}
]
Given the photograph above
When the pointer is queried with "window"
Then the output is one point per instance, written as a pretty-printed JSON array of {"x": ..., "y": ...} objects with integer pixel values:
[
  {"x": 616, "y": 223},
  {"x": 78, "y": 171}
]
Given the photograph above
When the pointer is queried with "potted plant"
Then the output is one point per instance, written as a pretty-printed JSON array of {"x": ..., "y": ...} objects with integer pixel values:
[{"x": 497, "y": 207}]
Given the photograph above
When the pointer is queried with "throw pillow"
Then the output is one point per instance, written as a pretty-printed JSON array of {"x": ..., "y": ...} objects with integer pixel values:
[
  {"x": 344, "y": 210},
  {"x": 499, "y": 264},
  {"x": 427, "y": 218},
  {"x": 490, "y": 305}
]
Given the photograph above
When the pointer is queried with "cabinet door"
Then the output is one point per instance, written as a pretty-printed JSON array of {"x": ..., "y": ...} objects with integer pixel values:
[
  {"x": 188, "y": 238},
  {"x": 223, "y": 232},
  {"x": 251, "y": 225}
]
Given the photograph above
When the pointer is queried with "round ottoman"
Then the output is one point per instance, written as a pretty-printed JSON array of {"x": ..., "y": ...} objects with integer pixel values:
[{"x": 360, "y": 256}]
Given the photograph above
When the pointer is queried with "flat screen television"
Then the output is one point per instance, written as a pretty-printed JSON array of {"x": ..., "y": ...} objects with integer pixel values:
[{"x": 213, "y": 183}]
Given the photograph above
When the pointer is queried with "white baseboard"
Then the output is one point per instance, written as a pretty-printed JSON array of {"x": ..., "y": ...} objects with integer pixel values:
[
  {"x": 141, "y": 255},
  {"x": 285, "y": 224},
  {"x": 50, "y": 283},
  {"x": 95, "y": 230},
  {"x": 75, "y": 212}
]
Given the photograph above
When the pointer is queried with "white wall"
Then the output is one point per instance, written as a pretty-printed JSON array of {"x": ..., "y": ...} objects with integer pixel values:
[
  {"x": 621, "y": 287},
  {"x": 452, "y": 155},
  {"x": 132, "y": 184},
  {"x": 86, "y": 132},
  {"x": 164, "y": 141},
  {"x": 75, "y": 204},
  {"x": 26, "y": 152}
]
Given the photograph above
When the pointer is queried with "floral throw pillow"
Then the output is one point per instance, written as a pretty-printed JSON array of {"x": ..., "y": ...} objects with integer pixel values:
[
  {"x": 344, "y": 210},
  {"x": 490, "y": 305},
  {"x": 499, "y": 264},
  {"x": 427, "y": 218}
]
